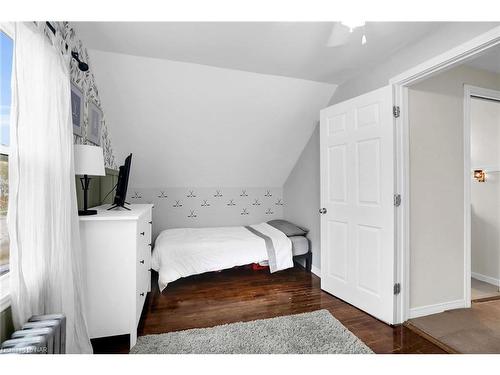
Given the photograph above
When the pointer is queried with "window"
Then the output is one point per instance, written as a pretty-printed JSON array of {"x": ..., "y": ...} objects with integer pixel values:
[{"x": 6, "y": 50}]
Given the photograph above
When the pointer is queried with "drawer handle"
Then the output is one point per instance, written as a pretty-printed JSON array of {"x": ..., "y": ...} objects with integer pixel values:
[
  {"x": 150, "y": 222},
  {"x": 142, "y": 261},
  {"x": 142, "y": 233},
  {"x": 142, "y": 294}
]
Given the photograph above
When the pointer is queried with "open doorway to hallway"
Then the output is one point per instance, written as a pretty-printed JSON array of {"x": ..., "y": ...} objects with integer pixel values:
[
  {"x": 484, "y": 125},
  {"x": 454, "y": 174}
]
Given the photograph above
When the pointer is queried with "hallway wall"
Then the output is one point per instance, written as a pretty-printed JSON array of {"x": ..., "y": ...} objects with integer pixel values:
[{"x": 437, "y": 188}]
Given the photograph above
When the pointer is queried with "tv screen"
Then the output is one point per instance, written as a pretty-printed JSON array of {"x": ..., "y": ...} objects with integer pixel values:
[{"x": 122, "y": 184}]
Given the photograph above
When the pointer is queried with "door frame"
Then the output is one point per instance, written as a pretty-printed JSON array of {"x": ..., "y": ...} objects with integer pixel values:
[
  {"x": 469, "y": 92},
  {"x": 400, "y": 84}
]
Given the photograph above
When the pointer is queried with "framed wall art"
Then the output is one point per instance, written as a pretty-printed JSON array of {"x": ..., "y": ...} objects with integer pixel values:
[
  {"x": 77, "y": 109},
  {"x": 94, "y": 123}
]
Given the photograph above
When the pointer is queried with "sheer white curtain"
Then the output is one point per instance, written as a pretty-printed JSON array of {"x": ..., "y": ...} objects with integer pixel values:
[{"x": 46, "y": 265}]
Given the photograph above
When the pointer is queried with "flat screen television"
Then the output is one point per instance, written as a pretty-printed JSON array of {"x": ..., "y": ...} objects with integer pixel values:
[{"x": 122, "y": 184}]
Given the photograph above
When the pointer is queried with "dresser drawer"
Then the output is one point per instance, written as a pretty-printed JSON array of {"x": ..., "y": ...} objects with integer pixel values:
[
  {"x": 144, "y": 254},
  {"x": 144, "y": 231},
  {"x": 142, "y": 285},
  {"x": 144, "y": 247},
  {"x": 140, "y": 299}
]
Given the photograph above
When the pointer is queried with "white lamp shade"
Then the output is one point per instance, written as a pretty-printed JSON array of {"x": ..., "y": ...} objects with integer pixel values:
[{"x": 89, "y": 160}]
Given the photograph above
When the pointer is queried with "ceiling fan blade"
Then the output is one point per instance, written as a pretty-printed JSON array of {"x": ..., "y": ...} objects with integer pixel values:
[{"x": 339, "y": 36}]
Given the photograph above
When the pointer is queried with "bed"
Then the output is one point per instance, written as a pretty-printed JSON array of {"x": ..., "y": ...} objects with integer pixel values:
[{"x": 183, "y": 252}]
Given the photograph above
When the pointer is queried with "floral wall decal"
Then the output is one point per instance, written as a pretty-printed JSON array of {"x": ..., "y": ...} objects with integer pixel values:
[
  {"x": 279, "y": 202},
  {"x": 86, "y": 82},
  {"x": 207, "y": 207}
]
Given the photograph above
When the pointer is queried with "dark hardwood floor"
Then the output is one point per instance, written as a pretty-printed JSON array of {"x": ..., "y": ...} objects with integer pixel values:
[{"x": 242, "y": 294}]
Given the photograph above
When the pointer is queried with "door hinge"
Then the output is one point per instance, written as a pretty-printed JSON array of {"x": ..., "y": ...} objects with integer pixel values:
[
  {"x": 396, "y": 111},
  {"x": 397, "y": 288},
  {"x": 397, "y": 200}
]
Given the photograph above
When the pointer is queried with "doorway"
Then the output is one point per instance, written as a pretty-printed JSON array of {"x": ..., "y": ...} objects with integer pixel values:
[
  {"x": 482, "y": 123},
  {"x": 454, "y": 185}
]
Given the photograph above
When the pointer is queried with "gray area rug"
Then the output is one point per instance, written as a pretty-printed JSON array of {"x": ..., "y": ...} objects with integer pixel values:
[{"x": 316, "y": 332}]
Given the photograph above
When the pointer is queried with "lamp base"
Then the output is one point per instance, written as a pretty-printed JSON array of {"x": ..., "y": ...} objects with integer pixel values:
[{"x": 86, "y": 212}]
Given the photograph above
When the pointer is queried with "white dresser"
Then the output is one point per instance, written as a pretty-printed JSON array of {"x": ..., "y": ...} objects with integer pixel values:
[{"x": 116, "y": 249}]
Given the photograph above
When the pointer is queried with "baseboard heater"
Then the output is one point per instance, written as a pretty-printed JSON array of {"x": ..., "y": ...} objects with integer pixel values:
[{"x": 42, "y": 334}]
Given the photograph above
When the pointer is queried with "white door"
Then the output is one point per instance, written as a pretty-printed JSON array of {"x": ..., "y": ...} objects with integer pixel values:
[{"x": 357, "y": 193}]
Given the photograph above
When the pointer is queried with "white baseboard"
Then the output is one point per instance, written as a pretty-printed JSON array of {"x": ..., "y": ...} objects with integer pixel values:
[
  {"x": 417, "y": 312},
  {"x": 316, "y": 271},
  {"x": 486, "y": 279}
]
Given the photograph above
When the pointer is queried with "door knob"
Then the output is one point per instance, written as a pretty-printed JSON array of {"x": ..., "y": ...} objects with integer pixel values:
[{"x": 322, "y": 211}]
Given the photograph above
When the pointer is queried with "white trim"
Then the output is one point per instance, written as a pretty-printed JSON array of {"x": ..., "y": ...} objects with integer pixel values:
[
  {"x": 400, "y": 88},
  {"x": 316, "y": 271},
  {"x": 417, "y": 312},
  {"x": 5, "y": 292},
  {"x": 467, "y": 197},
  {"x": 401, "y": 219},
  {"x": 7, "y": 28},
  {"x": 486, "y": 279},
  {"x": 449, "y": 58}
]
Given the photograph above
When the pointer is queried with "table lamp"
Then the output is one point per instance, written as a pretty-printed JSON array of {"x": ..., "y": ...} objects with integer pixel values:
[{"x": 89, "y": 160}]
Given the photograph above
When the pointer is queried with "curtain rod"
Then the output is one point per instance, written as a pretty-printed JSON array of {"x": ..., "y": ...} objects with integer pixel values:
[{"x": 81, "y": 65}]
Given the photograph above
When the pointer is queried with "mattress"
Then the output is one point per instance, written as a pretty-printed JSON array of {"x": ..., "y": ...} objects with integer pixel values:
[
  {"x": 300, "y": 245},
  {"x": 183, "y": 252}
]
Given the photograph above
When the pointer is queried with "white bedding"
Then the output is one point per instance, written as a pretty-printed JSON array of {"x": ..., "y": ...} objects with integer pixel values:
[{"x": 189, "y": 251}]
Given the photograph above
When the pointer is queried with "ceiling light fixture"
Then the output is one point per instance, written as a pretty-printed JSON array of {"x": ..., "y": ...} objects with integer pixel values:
[
  {"x": 353, "y": 24},
  {"x": 342, "y": 32}
]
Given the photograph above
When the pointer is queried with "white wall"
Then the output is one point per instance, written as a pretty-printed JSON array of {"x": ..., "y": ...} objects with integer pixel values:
[
  {"x": 209, "y": 207},
  {"x": 437, "y": 42},
  {"x": 301, "y": 194},
  {"x": 201, "y": 126},
  {"x": 485, "y": 197},
  {"x": 436, "y": 185}
]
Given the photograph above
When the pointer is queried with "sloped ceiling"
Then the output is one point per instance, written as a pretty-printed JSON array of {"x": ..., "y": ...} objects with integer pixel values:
[
  {"x": 202, "y": 126},
  {"x": 291, "y": 49}
]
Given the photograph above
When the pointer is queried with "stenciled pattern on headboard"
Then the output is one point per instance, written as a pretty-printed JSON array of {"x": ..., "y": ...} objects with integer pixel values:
[
  {"x": 209, "y": 207},
  {"x": 86, "y": 82}
]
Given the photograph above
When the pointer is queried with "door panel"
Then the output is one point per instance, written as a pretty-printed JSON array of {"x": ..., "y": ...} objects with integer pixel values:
[
  {"x": 338, "y": 230},
  {"x": 357, "y": 187},
  {"x": 338, "y": 178}
]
